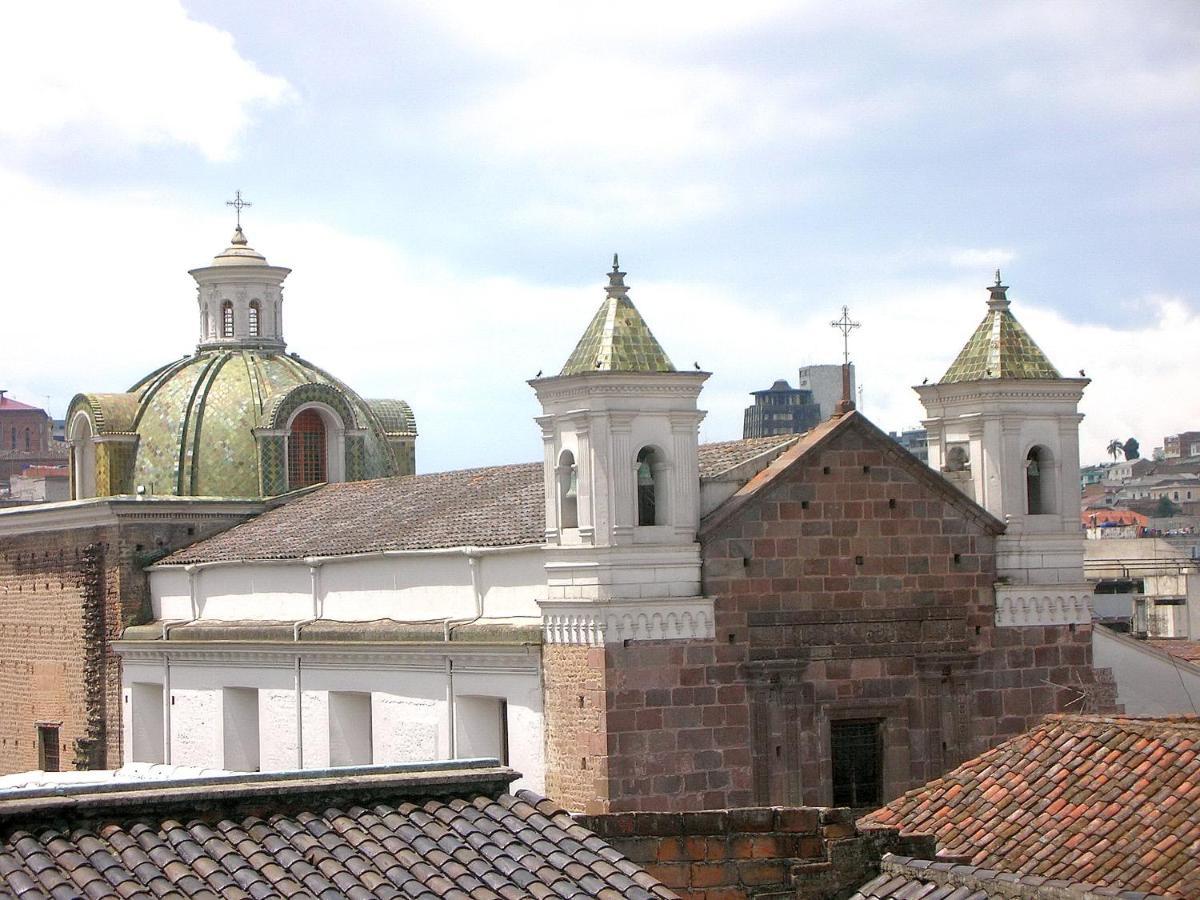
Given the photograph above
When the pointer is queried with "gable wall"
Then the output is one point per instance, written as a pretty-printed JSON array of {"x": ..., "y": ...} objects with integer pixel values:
[{"x": 807, "y": 635}]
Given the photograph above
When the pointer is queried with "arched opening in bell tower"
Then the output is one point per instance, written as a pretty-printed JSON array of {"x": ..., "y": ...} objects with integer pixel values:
[
  {"x": 568, "y": 491},
  {"x": 649, "y": 501},
  {"x": 1039, "y": 482}
]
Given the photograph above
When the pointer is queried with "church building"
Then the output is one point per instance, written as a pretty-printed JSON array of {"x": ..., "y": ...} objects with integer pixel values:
[
  {"x": 239, "y": 417},
  {"x": 639, "y": 621}
]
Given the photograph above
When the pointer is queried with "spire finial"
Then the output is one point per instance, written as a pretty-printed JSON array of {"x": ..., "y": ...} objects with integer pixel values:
[
  {"x": 845, "y": 326},
  {"x": 997, "y": 296},
  {"x": 238, "y": 204},
  {"x": 616, "y": 280}
]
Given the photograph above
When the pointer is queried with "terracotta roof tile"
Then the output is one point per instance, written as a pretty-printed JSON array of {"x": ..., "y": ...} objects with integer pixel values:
[
  {"x": 480, "y": 844},
  {"x": 1112, "y": 801},
  {"x": 489, "y": 507},
  {"x": 1186, "y": 650}
]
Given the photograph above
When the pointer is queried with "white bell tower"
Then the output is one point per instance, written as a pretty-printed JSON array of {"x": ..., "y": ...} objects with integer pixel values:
[
  {"x": 620, "y": 432},
  {"x": 1003, "y": 426}
]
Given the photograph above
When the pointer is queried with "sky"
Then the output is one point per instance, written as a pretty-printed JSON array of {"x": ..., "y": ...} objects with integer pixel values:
[{"x": 448, "y": 182}]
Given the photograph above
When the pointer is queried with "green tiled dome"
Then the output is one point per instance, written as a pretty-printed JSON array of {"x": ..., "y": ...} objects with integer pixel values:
[
  {"x": 1000, "y": 347},
  {"x": 196, "y": 421},
  {"x": 618, "y": 338}
]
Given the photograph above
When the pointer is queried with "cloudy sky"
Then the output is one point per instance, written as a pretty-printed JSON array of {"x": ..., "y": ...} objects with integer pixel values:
[{"x": 448, "y": 182}]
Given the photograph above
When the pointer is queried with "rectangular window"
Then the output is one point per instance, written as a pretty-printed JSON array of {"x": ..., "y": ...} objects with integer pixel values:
[
  {"x": 350, "y": 741},
  {"x": 856, "y": 748},
  {"x": 481, "y": 728},
  {"x": 239, "y": 714},
  {"x": 48, "y": 756},
  {"x": 147, "y": 712}
]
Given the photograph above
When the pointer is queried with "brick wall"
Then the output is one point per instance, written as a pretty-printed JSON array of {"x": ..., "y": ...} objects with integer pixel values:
[
  {"x": 64, "y": 596},
  {"x": 852, "y": 588},
  {"x": 576, "y": 750},
  {"x": 755, "y": 852}
]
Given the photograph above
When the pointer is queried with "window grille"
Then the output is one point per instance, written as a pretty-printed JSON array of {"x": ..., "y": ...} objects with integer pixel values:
[
  {"x": 253, "y": 318},
  {"x": 306, "y": 450},
  {"x": 226, "y": 319}
]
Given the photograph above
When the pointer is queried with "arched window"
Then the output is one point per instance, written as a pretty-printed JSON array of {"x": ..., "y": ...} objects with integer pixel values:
[
  {"x": 83, "y": 456},
  {"x": 227, "y": 319},
  {"x": 1039, "y": 482},
  {"x": 306, "y": 450},
  {"x": 27, "y": 440},
  {"x": 204, "y": 324},
  {"x": 568, "y": 491},
  {"x": 254, "y": 310},
  {"x": 647, "y": 486}
]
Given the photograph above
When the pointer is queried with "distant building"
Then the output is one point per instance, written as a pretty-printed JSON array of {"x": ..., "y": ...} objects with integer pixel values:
[
  {"x": 1093, "y": 474},
  {"x": 915, "y": 441},
  {"x": 1184, "y": 444},
  {"x": 825, "y": 383},
  {"x": 41, "y": 484},
  {"x": 780, "y": 409},
  {"x": 25, "y": 440}
]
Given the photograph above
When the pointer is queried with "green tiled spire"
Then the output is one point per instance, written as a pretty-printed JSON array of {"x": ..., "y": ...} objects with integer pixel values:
[
  {"x": 618, "y": 338},
  {"x": 1000, "y": 347}
]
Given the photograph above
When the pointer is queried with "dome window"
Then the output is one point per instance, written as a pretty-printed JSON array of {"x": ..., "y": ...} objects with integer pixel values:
[
  {"x": 254, "y": 312},
  {"x": 227, "y": 319},
  {"x": 306, "y": 450}
]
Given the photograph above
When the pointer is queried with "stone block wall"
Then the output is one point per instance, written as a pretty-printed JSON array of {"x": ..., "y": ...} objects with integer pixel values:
[
  {"x": 576, "y": 747},
  {"x": 855, "y": 587},
  {"x": 757, "y": 852}
]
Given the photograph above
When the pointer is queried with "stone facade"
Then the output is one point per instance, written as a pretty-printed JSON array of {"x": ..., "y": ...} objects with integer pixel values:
[
  {"x": 794, "y": 852},
  {"x": 852, "y": 584},
  {"x": 65, "y": 594}
]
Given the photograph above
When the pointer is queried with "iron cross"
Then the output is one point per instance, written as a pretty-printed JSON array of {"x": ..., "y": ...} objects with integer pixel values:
[
  {"x": 845, "y": 326},
  {"x": 238, "y": 204}
]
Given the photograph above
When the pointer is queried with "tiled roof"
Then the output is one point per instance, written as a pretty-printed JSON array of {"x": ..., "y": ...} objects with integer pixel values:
[
  {"x": 45, "y": 472},
  {"x": 1186, "y": 650},
  {"x": 1109, "y": 800},
  {"x": 725, "y": 455},
  {"x": 618, "y": 338},
  {"x": 420, "y": 835},
  {"x": 8, "y": 403},
  {"x": 497, "y": 506},
  {"x": 999, "y": 348},
  {"x": 903, "y": 878},
  {"x": 490, "y": 507}
]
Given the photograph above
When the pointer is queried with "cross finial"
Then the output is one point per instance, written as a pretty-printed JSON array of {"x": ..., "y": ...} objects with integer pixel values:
[
  {"x": 845, "y": 326},
  {"x": 238, "y": 204}
]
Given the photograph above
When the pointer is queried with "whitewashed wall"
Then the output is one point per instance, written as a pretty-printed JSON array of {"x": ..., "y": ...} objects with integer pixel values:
[
  {"x": 414, "y": 705},
  {"x": 404, "y": 587}
]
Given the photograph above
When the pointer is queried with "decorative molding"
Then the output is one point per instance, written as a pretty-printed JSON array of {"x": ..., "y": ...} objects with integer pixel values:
[
  {"x": 1020, "y": 605},
  {"x": 596, "y": 624}
]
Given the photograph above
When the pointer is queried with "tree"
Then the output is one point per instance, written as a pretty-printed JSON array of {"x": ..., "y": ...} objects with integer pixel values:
[
  {"x": 1131, "y": 449},
  {"x": 1115, "y": 448},
  {"x": 1165, "y": 508}
]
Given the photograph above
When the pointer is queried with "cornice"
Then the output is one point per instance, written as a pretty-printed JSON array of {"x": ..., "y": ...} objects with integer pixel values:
[{"x": 614, "y": 622}]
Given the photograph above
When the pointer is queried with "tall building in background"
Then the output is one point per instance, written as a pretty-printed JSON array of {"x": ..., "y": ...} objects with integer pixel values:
[
  {"x": 780, "y": 409},
  {"x": 825, "y": 383},
  {"x": 25, "y": 440}
]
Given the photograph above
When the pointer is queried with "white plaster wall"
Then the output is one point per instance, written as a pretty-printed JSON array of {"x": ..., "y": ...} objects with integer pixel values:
[
  {"x": 239, "y": 729},
  {"x": 196, "y": 727},
  {"x": 1149, "y": 682},
  {"x": 409, "y": 711},
  {"x": 255, "y": 592},
  {"x": 277, "y": 717},
  {"x": 350, "y": 728},
  {"x": 170, "y": 594},
  {"x": 357, "y": 589},
  {"x": 408, "y": 729},
  {"x": 480, "y": 727}
]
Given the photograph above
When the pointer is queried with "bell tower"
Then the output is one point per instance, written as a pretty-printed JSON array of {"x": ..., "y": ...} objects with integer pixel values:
[
  {"x": 620, "y": 432},
  {"x": 1003, "y": 427}
]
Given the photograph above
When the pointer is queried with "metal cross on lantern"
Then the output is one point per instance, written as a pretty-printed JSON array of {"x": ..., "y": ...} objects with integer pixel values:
[
  {"x": 238, "y": 204},
  {"x": 845, "y": 326}
]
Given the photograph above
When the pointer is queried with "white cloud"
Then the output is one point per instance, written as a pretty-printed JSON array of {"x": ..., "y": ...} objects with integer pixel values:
[
  {"x": 126, "y": 71},
  {"x": 975, "y": 258},
  {"x": 460, "y": 349}
]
